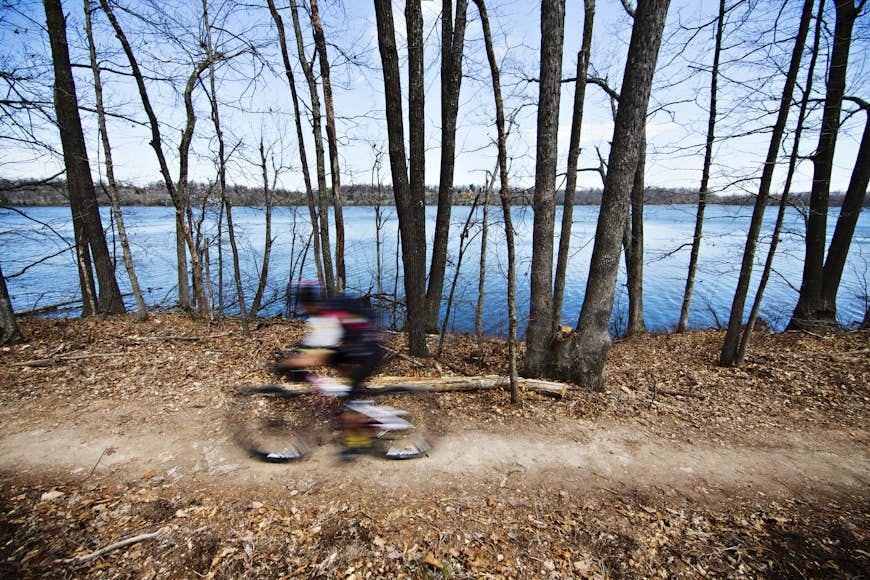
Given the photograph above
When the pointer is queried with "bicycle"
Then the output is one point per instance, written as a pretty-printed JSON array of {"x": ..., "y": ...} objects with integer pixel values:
[{"x": 282, "y": 424}]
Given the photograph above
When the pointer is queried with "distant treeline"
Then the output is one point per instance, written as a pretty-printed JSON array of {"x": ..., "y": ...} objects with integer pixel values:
[{"x": 54, "y": 193}]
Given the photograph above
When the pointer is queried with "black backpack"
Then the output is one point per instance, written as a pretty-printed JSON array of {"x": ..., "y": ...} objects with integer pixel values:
[{"x": 361, "y": 335}]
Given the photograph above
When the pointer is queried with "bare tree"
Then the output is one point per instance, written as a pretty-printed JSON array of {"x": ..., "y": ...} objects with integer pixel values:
[
  {"x": 465, "y": 237},
  {"x": 633, "y": 245},
  {"x": 730, "y": 346},
  {"x": 379, "y": 217},
  {"x": 452, "y": 44},
  {"x": 90, "y": 239},
  {"x": 332, "y": 142},
  {"x": 811, "y": 309},
  {"x": 184, "y": 217},
  {"x": 783, "y": 201},
  {"x": 539, "y": 332},
  {"x": 581, "y": 357},
  {"x": 222, "y": 166},
  {"x": 849, "y": 212},
  {"x": 267, "y": 244},
  {"x": 481, "y": 272},
  {"x": 573, "y": 157},
  {"x": 317, "y": 126},
  {"x": 407, "y": 189},
  {"x": 110, "y": 168},
  {"x": 178, "y": 197},
  {"x": 303, "y": 158},
  {"x": 683, "y": 324},
  {"x": 504, "y": 195}
]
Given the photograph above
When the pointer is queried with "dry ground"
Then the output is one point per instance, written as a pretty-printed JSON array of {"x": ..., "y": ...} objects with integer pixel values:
[{"x": 114, "y": 430}]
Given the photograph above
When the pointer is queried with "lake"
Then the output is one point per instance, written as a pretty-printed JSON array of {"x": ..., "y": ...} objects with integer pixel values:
[{"x": 40, "y": 270}]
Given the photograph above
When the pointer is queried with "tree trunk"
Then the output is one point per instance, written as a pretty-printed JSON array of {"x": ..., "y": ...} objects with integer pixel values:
[
  {"x": 379, "y": 219},
  {"x": 222, "y": 171},
  {"x": 236, "y": 272},
  {"x": 683, "y": 324},
  {"x": 783, "y": 202},
  {"x": 267, "y": 245},
  {"x": 849, "y": 212},
  {"x": 85, "y": 268},
  {"x": 634, "y": 263},
  {"x": 332, "y": 142},
  {"x": 183, "y": 210},
  {"x": 408, "y": 191},
  {"x": 110, "y": 168},
  {"x": 504, "y": 195},
  {"x": 452, "y": 44},
  {"x": 184, "y": 299},
  {"x": 730, "y": 346},
  {"x": 581, "y": 357},
  {"x": 325, "y": 244},
  {"x": 220, "y": 252},
  {"x": 573, "y": 157},
  {"x": 810, "y": 309},
  {"x": 303, "y": 158},
  {"x": 83, "y": 198},
  {"x": 539, "y": 333},
  {"x": 463, "y": 245},
  {"x": 9, "y": 333},
  {"x": 481, "y": 271}
]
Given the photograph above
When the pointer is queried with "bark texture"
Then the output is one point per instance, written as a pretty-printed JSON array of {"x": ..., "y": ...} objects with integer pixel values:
[
  {"x": 812, "y": 309},
  {"x": 90, "y": 238},
  {"x": 539, "y": 333},
  {"x": 408, "y": 191},
  {"x": 581, "y": 357},
  {"x": 452, "y": 44},
  {"x": 9, "y": 332},
  {"x": 573, "y": 158}
]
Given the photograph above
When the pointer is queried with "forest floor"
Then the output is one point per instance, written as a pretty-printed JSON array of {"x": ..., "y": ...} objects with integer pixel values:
[{"x": 115, "y": 430}]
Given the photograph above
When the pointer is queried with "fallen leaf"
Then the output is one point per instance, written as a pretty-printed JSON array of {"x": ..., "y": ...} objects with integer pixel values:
[{"x": 431, "y": 560}]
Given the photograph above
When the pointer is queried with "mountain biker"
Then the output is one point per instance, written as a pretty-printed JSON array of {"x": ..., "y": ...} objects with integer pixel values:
[{"x": 342, "y": 334}]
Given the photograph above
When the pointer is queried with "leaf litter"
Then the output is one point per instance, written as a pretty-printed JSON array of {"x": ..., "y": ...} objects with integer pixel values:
[{"x": 215, "y": 515}]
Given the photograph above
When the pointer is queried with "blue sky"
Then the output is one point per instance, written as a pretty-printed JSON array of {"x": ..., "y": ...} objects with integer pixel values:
[{"x": 256, "y": 101}]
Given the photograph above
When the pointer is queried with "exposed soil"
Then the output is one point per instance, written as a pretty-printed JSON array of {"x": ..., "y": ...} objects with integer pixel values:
[{"x": 116, "y": 428}]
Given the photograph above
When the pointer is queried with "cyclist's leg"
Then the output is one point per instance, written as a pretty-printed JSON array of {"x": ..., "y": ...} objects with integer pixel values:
[{"x": 358, "y": 367}]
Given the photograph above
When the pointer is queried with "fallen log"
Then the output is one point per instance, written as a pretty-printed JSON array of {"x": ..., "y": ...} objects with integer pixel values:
[
  {"x": 388, "y": 385},
  {"x": 479, "y": 383}
]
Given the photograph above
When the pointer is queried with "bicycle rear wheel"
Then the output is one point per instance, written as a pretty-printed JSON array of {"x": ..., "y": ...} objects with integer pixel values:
[{"x": 278, "y": 425}]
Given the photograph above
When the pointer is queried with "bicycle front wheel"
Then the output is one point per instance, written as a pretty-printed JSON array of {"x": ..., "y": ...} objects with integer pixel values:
[{"x": 416, "y": 429}]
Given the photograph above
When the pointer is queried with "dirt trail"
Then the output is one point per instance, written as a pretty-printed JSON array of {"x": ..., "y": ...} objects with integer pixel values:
[{"x": 193, "y": 446}]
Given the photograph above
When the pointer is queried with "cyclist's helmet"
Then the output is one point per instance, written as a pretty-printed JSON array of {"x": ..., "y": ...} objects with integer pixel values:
[{"x": 308, "y": 293}]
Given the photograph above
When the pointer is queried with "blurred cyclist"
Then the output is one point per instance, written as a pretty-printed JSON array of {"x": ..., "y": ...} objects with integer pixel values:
[{"x": 342, "y": 334}]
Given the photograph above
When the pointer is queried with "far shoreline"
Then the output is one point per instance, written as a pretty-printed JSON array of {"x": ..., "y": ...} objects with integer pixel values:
[{"x": 53, "y": 194}]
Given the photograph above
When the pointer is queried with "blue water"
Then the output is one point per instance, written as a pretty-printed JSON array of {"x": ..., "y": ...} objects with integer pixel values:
[{"x": 40, "y": 270}]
